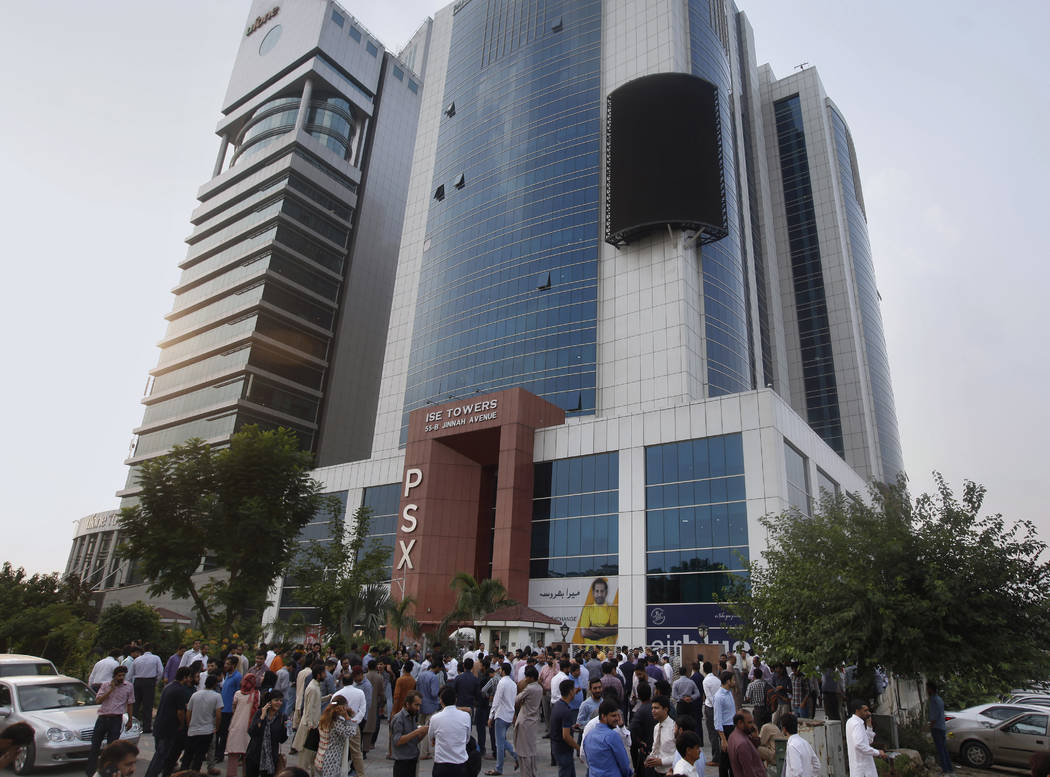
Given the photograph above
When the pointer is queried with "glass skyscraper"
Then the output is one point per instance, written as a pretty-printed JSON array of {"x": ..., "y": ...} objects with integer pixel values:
[
  {"x": 409, "y": 260},
  {"x": 508, "y": 295}
]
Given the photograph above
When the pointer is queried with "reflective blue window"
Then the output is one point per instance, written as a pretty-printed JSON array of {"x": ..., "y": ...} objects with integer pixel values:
[
  {"x": 724, "y": 287},
  {"x": 525, "y": 134},
  {"x": 814, "y": 329},
  {"x": 695, "y": 518},
  {"x": 575, "y": 514},
  {"x": 797, "y": 479},
  {"x": 319, "y": 530},
  {"x": 384, "y": 502},
  {"x": 869, "y": 302}
]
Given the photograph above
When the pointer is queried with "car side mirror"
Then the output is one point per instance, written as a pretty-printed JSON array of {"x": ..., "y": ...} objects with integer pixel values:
[{"x": 5, "y": 711}]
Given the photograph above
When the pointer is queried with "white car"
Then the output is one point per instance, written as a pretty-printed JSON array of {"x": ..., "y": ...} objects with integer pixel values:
[
  {"x": 16, "y": 664},
  {"x": 1037, "y": 699},
  {"x": 989, "y": 714},
  {"x": 62, "y": 711}
]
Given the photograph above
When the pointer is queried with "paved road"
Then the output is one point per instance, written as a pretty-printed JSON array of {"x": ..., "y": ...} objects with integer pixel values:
[{"x": 377, "y": 765}]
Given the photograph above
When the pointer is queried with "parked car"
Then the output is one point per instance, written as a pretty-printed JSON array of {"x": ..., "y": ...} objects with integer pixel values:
[
  {"x": 62, "y": 711},
  {"x": 1037, "y": 689},
  {"x": 1010, "y": 743},
  {"x": 989, "y": 714},
  {"x": 16, "y": 664},
  {"x": 1037, "y": 699}
]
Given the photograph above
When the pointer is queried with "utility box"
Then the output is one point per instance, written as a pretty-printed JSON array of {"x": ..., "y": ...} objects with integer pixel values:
[
  {"x": 826, "y": 738},
  {"x": 886, "y": 731},
  {"x": 781, "y": 744}
]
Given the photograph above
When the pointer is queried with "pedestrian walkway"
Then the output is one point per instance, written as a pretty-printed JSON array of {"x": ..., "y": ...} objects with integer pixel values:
[{"x": 376, "y": 765}]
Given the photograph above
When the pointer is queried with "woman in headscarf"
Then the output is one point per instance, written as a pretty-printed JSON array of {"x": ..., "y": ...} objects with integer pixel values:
[
  {"x": 267, "y": 731},
  {"x": 245, "y": 704}
]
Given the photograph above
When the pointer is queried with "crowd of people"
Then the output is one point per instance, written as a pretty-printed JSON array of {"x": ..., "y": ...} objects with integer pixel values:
[
  {"x": 619, "y": 712},
  {"x": 308, "y": 712}
]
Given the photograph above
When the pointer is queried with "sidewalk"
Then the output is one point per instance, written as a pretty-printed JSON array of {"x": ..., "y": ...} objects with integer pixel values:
[{"x": 376, "y": 765}]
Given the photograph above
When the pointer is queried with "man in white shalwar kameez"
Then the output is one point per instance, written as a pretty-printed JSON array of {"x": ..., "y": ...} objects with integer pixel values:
[{"x": 858, "y": 742}]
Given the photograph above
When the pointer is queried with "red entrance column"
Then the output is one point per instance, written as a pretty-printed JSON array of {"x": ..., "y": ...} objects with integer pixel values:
[{"x": 445, "y": 502}]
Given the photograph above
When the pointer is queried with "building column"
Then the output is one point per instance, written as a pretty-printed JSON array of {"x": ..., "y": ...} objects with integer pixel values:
[
  {"x": 439, "y": 531},
  {"x": 631, "y": 580},
  {"x": 221, "y": 158},
  {"x": 304, "y": 105},
  {"x": 512, "y": 543}
]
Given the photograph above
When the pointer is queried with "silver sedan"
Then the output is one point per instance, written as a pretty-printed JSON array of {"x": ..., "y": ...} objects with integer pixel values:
[
  {"x": 61, "y": 710},
  {"x": 985, "y": 713},
  {"x": 1010, "y": 743}
]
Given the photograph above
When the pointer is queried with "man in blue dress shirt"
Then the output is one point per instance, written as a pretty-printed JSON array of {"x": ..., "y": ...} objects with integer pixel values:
[{"x": 606, "y": 754}]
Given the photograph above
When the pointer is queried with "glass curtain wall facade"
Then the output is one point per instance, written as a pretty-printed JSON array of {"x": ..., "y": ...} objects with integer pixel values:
[
  {"x": 575, "y": 513},
  {"x": 249, "y": 335},
  {"x": 726, "y": 319},
  {"x": 868, "y": 301},
  {"x": 797, "y": 479},
  {"x": 383, "y": 501},
  {"x": 318, "y": 531},
  {"x": 818, "y": 366},
  {"x": 695, "y": 518},
  {"x": 268, "y": 292},
  {"x": 508, "y": 290}
]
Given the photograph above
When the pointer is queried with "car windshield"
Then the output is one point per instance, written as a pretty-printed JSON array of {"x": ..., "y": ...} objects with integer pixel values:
[
  {"x": 54, "y": 695},
  {"x": 1002, "y": 713},
  {"x": 27, "y": 668}
]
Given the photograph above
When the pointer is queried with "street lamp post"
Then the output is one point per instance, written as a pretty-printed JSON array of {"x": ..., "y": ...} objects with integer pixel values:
[
  {"x": 564, "y": 631},
  {"x": 702, "y": 629}
]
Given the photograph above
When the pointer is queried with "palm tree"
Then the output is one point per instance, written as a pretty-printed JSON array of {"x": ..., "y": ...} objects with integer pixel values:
[
  {"x": 398, "y": 617},
  {"x": 366, "y": 610},
  {"x": 474, "y": 600}
]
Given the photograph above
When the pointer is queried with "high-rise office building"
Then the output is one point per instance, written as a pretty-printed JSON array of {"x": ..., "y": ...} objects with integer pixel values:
[
  {"x": 635, "y": 310},
  {"x": 280, "y": 314},
  {"x": 632, "y": 306}
]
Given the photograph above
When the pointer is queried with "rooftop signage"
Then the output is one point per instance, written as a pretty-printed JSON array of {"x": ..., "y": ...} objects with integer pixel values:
[
  {"x": 261, "y": 20},
  {"x": 109, "y": 519}
]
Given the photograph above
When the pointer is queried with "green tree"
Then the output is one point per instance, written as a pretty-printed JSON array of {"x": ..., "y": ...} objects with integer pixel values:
[
  {"x": 338, "y": 577},
  {"x": 474, "y": 599},
  {"x": 366, "y": 610},
  {"x": 119, "y": 624},
  {"x": 241, "y": 506},
  {"x": 45, "y": 615},
  {"x": 919, "y": 587}
]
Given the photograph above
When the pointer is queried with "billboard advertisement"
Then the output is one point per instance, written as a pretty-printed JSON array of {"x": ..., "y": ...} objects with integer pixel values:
[
  {"x": 670, "y": 624},
  {"x": 589, "y": 606}
]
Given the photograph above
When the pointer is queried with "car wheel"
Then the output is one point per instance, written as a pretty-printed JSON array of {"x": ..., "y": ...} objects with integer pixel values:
[
  {"x": 24, "y": 760},
  {"x": 976, "y": 755}
]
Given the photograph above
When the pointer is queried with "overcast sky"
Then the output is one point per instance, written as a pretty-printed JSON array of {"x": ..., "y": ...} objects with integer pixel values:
[{"x": 111, "y": 109}]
